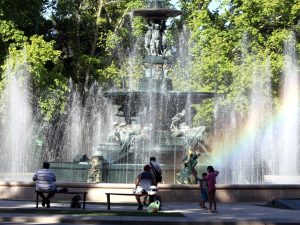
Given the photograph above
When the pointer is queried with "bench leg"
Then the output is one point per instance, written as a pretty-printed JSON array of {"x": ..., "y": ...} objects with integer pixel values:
[
  {"x": 37, "y": 200},
  {"x": 108, "y": 201},
  {"x": 84, "y": 198}
]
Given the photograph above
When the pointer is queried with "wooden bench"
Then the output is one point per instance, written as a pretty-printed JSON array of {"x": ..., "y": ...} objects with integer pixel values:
[
  {"x": 83, "y": 193},
  {"x": 124, "y": 194}
]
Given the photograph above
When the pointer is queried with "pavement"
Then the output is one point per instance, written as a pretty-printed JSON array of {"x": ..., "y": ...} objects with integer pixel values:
[{"x": 228, "y": 213}]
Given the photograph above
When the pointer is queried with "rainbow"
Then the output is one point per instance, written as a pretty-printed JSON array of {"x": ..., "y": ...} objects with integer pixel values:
[{"x": 238, "y": 140}]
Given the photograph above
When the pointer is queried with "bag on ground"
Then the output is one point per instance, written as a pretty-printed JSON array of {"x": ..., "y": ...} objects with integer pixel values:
[{"x": 153, "y": 207}]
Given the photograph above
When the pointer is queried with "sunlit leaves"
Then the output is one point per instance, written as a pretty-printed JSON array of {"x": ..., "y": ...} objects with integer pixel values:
[{"x": 239, "y": 35}]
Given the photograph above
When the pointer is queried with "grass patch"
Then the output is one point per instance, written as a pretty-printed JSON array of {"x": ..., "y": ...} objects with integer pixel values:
[{"x": 80, "y": 212}]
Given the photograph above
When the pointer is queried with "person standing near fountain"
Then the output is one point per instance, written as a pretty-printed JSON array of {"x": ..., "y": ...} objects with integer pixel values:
[
  {"x": 211, "y": 180},
  {"x": 155, "y": 169},
  {"x": 45, "y": 181}
]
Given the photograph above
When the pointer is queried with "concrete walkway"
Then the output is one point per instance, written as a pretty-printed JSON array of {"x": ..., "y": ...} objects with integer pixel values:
[{"x": 228, "y": 213}]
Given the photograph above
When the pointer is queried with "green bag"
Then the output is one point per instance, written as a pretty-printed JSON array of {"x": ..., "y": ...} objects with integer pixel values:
[{"x": 153, "y": 207}]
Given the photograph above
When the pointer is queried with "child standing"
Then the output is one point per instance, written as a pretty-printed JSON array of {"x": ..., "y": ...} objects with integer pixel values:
[
  {"x": 203, "y": 190},
  {"x": 211, "y": 180}
]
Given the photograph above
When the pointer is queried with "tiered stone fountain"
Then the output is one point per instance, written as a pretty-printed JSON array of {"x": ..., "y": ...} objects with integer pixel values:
[{"x": 153, "y": 116}]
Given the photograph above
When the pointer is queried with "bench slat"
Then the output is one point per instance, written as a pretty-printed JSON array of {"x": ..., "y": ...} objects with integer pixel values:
[{"x": 124, "y": 194}]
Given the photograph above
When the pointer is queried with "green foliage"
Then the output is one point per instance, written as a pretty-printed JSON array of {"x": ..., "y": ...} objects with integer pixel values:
[
  {"x": 235, "y": 38},
  {"x": 38, "y": 57},
  {"x": 10, "y": 33},
  {"x": 204, "y": 113},
  {"x": 98, "y": 40}
]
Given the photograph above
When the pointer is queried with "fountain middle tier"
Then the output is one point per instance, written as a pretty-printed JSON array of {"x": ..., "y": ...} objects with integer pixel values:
[{"x": 157, "y": 108}]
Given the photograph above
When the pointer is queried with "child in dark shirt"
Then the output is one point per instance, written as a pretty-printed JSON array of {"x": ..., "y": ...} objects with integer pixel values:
[{"x": 203, "y": 190}]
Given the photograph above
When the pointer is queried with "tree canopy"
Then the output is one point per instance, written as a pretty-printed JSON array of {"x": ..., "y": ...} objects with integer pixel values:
[{"x": 89, "y": 40}]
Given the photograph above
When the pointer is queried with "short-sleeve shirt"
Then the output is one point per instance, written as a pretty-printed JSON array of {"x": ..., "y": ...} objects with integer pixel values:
[
  {"x": 45, "y": 180},
  {"x": 203, "y": 183},
  {"x": 146, "y": 180}
]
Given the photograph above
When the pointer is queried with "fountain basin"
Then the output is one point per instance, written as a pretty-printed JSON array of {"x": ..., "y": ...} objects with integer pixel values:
[
  {"x": 169, "y": 193},
  {"x": 280, "y": 179}
]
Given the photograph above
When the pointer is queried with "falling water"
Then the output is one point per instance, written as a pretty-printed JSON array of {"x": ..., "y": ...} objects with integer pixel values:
[
  {"x": 17, "y": 156},
  {"x": 185, "y": 67},
  {"x": 245, "y": 139},
  {"x": 289, "y": 131},
  {"x": 85, "y": 128},
  {"x": 262, "y": 145}
]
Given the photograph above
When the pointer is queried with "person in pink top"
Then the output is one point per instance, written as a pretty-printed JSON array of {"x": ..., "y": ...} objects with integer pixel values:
[{"x": 211, "y": 180}]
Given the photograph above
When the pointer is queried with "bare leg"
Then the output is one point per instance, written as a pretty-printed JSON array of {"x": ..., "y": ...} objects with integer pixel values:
[
  {"x": 145, "y": 200},
  {"x": 214, "y": 200},
  {"x": 210, "y": 199},
  {"x": 138, "y": 199}
]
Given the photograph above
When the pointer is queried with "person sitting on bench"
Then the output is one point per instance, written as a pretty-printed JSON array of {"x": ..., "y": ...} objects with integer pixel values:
[
  {"x": 45, "y": 182},
  {"x": 142, "y": 185}
]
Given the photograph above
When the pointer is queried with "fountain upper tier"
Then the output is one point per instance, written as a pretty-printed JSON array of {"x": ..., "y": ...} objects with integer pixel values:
[
  {"x": 156, "y": 9},
  {"x": 157, "y": 13}
]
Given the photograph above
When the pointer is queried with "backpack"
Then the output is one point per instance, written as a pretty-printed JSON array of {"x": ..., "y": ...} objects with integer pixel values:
[{"x": 157, "y": 174}]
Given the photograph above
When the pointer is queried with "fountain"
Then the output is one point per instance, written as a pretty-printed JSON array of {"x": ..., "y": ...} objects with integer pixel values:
[
  {"x": 110, "y": 138},
  {"x": 154, "y": 115},
  {"x": 17, "y": 148}
]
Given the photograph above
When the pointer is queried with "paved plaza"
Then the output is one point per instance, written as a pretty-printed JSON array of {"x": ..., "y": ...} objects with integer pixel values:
[{"x": 228, "y": 213}]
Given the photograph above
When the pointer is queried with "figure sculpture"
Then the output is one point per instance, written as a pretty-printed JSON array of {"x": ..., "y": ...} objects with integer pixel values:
[
  {"x": 188, "y": 174},
  {"x": 194, "y": 138},
  {"x": 127, "y": 134},
  {"x": 94, "y": 173},
  {"x": 155, "y": 39},
  {"x": 98, "y": 171},
  {"x": 148, "y": 37},
  {"x": 176, "y": 120}
]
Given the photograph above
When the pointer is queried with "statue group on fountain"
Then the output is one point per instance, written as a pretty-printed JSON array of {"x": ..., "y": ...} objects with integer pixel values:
[
  {"x": 195, "y": 140},
  {"x": 155, "y": 39},
  {"x": 127, "y": 134}
]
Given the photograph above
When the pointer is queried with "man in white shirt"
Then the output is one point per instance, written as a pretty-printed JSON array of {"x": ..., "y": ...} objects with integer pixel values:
[{"x": 45, "y": 181}]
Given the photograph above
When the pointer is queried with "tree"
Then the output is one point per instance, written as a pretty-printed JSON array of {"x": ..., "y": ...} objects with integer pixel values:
[
  {"x": 230, "y": 39},
  {"x": 87, "y": 31}
]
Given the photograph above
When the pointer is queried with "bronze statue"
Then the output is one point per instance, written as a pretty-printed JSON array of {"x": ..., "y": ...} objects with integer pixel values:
[
  {"x": 98, "y": 171},
  {"x": 188, "y": 174}
]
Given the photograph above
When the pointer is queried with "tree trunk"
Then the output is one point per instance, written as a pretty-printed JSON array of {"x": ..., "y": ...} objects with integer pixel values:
[{"x": 93, "y": 46}]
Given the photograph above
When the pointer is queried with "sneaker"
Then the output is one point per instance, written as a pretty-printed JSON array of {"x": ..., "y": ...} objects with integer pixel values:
[{"x": 140, "y": 207}]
